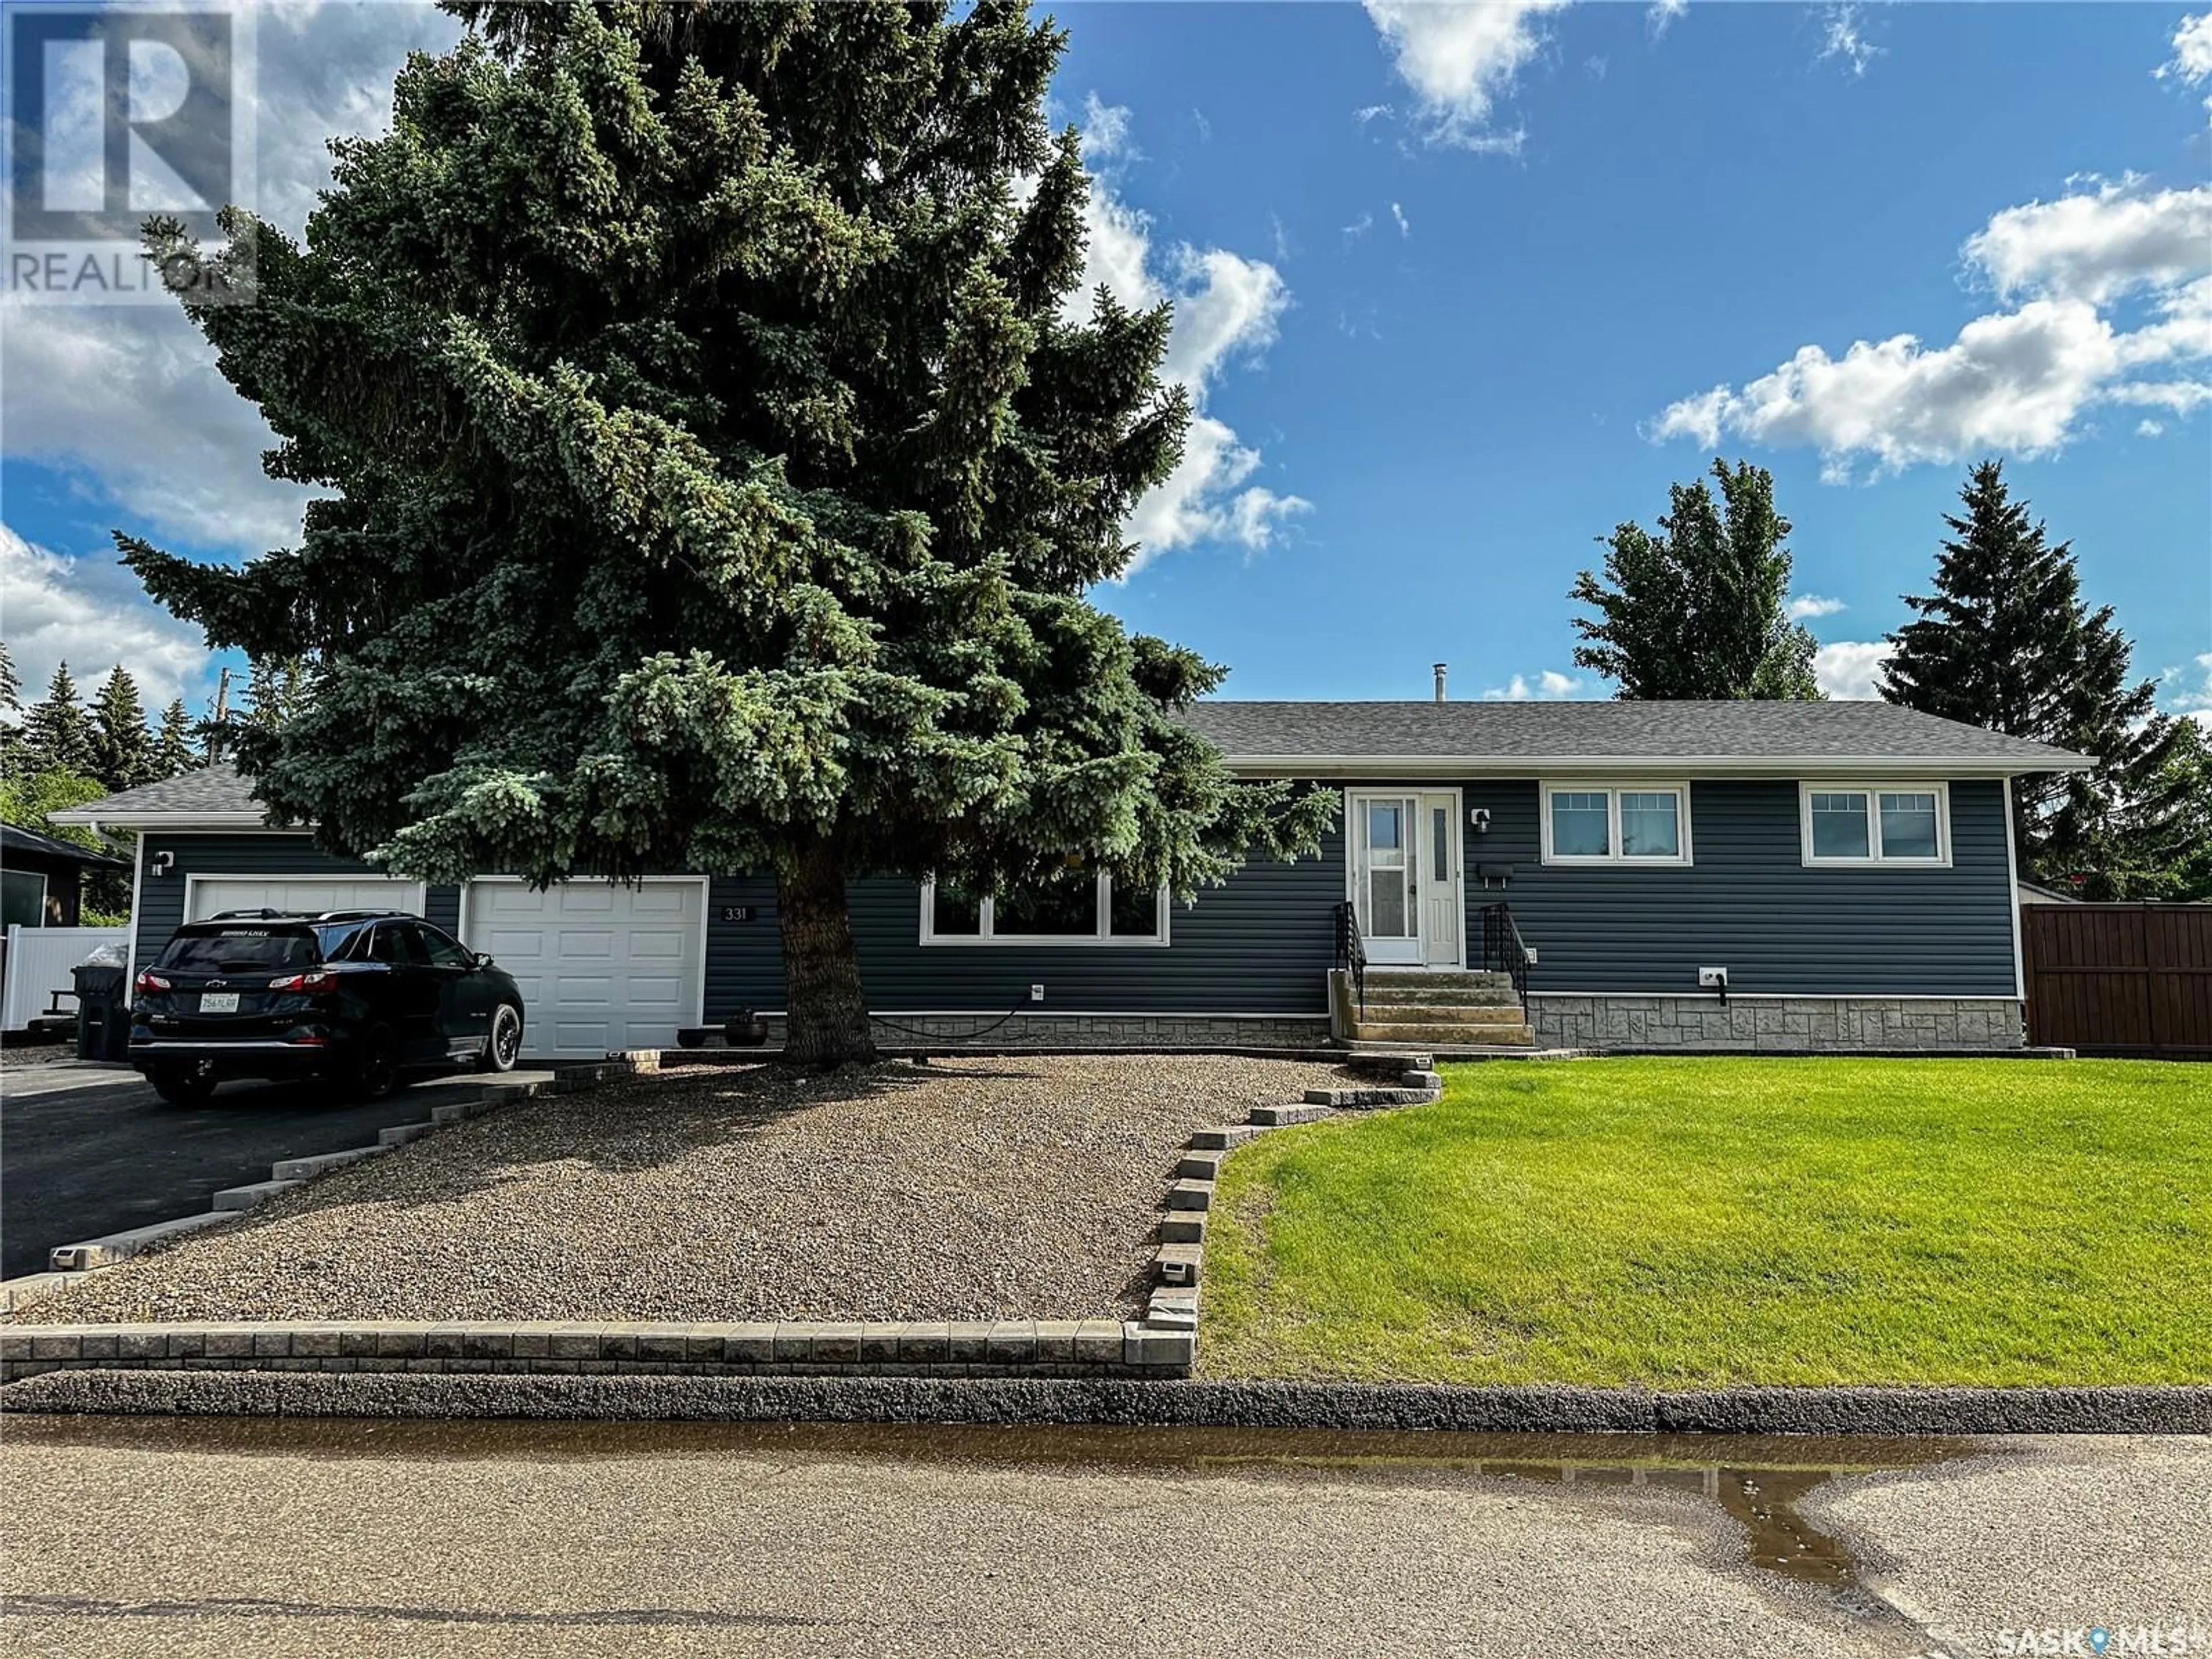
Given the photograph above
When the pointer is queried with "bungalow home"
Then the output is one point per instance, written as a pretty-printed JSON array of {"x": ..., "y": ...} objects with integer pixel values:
[{"x": 1777, "y": 875}]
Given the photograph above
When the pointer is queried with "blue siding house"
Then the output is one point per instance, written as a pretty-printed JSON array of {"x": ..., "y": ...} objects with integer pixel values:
[{"x": 1737, "y": 875}]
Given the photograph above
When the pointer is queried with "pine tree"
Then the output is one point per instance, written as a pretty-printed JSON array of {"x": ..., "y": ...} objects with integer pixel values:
[
  {"x": 174, "y": 750},
  {"x": 275, "y": 692},
  {"x": 1699, "y": 610},
  {"x": 2006, "y": 642},
  {"x": 57, "y": 732},
  {"x": 712, "y": 478},
  {"x": 122, "y": 748},
  {"x": 14, "y": 754}
]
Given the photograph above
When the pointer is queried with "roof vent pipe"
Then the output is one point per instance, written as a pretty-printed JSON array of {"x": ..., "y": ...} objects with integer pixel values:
[{"x": 1440, "y": 682}]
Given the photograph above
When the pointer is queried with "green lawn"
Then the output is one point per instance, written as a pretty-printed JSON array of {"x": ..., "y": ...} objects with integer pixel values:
[{"x": 1686, "y": 1222}]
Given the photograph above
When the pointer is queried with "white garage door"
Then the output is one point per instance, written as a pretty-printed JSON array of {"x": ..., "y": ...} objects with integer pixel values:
[
  {"x": 601, "y": 968},
  {"x": 205, "y": 895}
]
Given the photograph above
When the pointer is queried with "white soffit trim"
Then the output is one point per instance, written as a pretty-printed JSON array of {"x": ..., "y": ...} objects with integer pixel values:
[{"x": 1391, "y": 768}]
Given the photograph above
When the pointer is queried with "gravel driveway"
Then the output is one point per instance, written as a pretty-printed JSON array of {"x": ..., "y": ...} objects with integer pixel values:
[{"x": 1019, "y": 1187}]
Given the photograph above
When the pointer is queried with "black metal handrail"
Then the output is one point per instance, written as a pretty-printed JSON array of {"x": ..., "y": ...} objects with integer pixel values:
[
  {"x": 1351, "y": 950},
  {"x": 1503, "y": 949}
]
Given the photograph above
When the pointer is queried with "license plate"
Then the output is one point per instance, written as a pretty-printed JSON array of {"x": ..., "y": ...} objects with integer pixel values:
[{"x": 218, "y": 1002}]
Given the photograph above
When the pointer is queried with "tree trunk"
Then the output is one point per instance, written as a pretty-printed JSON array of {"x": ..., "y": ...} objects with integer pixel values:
[{"x": 826, "y": 1017}]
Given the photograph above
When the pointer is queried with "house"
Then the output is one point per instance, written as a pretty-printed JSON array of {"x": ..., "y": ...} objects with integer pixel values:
[
  {"x": 42, "y": 879},
  {"x": 1776, "y": 875}
]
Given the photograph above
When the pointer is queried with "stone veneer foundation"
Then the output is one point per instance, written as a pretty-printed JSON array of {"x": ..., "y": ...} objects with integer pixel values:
[{"x": 1566, "y": 1021}]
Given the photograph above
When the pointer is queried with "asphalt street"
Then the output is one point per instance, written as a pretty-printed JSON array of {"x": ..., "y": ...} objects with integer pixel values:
[
  {"x": 85, "y": 1151},
  {"x": 233, "y": 1537}
]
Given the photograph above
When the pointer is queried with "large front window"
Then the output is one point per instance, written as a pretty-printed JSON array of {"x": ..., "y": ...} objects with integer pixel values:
[
  {"x": 1078, "y": 906},
  {"x": 1628, "y": 824}
]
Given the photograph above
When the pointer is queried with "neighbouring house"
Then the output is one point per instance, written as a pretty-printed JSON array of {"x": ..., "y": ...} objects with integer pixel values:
[
  {"x": 1751, "y": 875},
  {"x": 42, "y": 877},
  {"x": 2035, "y": 893}
]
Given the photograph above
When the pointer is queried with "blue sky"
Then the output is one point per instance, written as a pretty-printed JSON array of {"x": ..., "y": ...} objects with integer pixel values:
[{"x": 1460, "y": 289}]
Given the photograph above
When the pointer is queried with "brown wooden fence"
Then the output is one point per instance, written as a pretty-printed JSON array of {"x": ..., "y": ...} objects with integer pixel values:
[{"x": 2120, "y": 979}]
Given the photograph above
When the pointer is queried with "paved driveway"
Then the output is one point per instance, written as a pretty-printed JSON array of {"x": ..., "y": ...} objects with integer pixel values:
[{"x": 89, "y": 1150}]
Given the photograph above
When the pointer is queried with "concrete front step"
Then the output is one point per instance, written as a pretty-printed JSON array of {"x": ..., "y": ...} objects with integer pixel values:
[
  {"x": 1476, "y": 979},
  {"x": 1515, "y": 1036},
  {"x": 1448, "y": 995},
  {"x": 1440, "y": 1013}
]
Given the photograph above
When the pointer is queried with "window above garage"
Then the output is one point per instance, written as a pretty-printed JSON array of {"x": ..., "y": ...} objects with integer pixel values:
[{"x": 1078, "y": 907}]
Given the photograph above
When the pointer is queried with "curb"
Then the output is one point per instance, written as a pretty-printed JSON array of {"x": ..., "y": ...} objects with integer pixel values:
[
  {"x": 67, "y": 1261},
  {"x": 1126, "y": 1402},
  {"x": 1067, "y": 1347}
]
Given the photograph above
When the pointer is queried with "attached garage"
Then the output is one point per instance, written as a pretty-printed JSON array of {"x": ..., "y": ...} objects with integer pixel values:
[
  {"x": 206, "y": 895},
  {"x": 602, "y": 967}
]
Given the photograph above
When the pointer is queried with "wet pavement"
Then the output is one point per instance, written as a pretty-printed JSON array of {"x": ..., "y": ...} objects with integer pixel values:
[{"x": 249, "y": 1536}]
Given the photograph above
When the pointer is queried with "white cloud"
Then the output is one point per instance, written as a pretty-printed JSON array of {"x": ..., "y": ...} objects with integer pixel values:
[
  {"x": 2194, "y": 701},
  {"x": 1357, "y": 229},
  {"x": 1549, "y": 685},
  {"x": 2020, "y": 381},
  {"x": 1840, "y": 38},
  {"x": 1367, "y": 113},
  {"x": 1661, "y": 15},
  {"x": 1106, "y": 132},
  {"x": 1404, "y": 225},
  {"x": 2191, "y": 63},
  {"x": 1227, "y": 309},
  {"x": 126, "y": 399},
  {"x": 91, "y": 613},
  {"x": 2150, "y": 428},
  {"x": 1846, "y": 670},
  {"x": 2097, "y": 245},
  {"x": 1459, "y": 60},
  {"x": 1806, "y": 605}
]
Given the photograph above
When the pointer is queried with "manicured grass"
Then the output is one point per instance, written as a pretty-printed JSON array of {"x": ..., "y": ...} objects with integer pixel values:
[{"x": 1692, "y": 1222}]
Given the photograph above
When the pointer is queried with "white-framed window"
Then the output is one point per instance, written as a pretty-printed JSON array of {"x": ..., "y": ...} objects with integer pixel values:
[
  {"x": 1849, "y": 824},
  {"x": 1080, "y": 906},
  {"x": 1616, "y": 822}
]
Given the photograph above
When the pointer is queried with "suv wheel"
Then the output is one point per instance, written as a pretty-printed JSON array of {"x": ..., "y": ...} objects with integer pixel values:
[
  {"x": 375, "y": 1064},
  {"x": 190, "y": 1085},
  {"x": 504, "y": 1042}
]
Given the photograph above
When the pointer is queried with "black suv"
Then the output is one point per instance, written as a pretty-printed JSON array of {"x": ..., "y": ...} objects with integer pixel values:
[{"x": 357, "y": 996}]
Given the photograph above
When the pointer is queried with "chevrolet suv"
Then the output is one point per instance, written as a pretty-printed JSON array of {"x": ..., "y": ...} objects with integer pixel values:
[{"x": 360, "y": 997}]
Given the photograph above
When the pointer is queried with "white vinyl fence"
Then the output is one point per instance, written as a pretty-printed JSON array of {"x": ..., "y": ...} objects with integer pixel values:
[{"x": 38, "y": 965}]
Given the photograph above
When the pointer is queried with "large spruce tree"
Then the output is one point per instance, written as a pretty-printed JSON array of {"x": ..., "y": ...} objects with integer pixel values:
[
  {"x": 2006, "y": 641},
  {"x": 174, "y": 752},
  {"x": 56, "y": 731},
  {"x": 14, "y": 754},
  {"x": 122, "y": 747},
  {"x": 714, "y": 481},
  {"x": 1700, "y": 609}
]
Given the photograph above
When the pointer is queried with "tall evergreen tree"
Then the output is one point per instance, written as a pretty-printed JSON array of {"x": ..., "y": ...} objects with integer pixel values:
[
  {"x": 13, "y": 753},
  {"x": 2006, "y": 641},
  {"x": 122, "y": 747},
  {"x": 713, "y": 479},
  {"x": 275, "y": 692},
  {"x": 1699, "y": 610},
  {"x": 56, "y": 731},
  {"x": 174, "y": 750}
]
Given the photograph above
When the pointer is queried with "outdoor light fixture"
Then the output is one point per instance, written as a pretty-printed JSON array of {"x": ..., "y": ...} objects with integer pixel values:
[
  {"x": 163, "y": 863},
  {"x": 1479, "y": 818}
]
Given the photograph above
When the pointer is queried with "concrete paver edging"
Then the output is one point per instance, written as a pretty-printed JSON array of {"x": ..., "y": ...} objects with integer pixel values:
[{"x": 1134, "y": 1402}]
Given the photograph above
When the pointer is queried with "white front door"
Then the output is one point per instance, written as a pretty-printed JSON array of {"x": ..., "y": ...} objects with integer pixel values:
[{"x": 1404, "y": 851}]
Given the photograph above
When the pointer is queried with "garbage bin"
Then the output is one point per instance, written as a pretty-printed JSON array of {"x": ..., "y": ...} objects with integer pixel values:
[{"x": 103, "y": 1012}]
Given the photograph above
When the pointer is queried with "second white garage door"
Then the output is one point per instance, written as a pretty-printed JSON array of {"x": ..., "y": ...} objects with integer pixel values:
[
  {"x": 205, "y": 895},
  {"x": 601, "y": 968}
]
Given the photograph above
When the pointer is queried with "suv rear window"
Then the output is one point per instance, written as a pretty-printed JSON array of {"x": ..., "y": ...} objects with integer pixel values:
[{"x": 242, "y": 951}]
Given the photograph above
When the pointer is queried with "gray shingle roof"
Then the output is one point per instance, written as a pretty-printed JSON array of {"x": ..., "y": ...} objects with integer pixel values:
[
  {"x": 1753, "y": 733},
  {"x": 216, "y": 793},
  {"x": 15, "y": 839}
]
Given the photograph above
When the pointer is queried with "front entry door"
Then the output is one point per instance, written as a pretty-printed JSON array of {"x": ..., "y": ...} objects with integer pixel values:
[{"x": 1404, "y": 854}]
